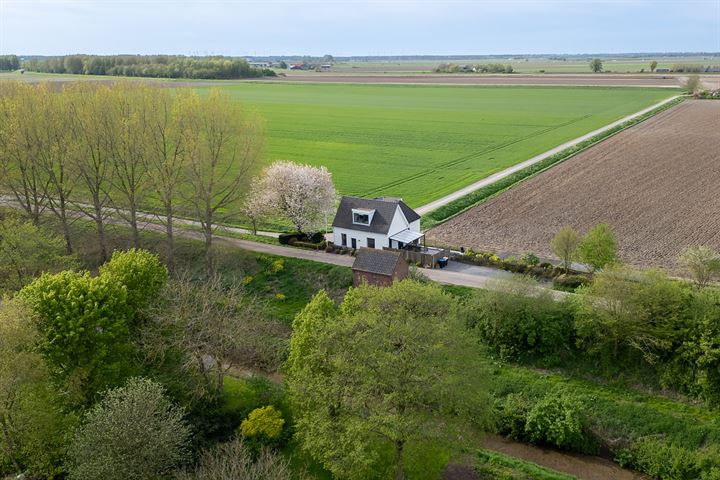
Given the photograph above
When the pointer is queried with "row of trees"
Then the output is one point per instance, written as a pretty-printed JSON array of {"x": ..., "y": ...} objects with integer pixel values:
[
  {"x": 160, "y": 66},
  {"x": 9, "y": 62},
  {"x": 598, "y": 250},
  {"x": 107, "y": 150}
]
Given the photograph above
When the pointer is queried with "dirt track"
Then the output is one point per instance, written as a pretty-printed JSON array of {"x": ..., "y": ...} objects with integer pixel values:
[
  {"x": 514, "y": 79},
  {"x": 657, "y": 185}
]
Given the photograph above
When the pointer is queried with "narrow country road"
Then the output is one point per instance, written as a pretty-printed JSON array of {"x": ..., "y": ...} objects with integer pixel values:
[
  {"x": 473, "y": 277},
  {"x": 531, "y": 161}
]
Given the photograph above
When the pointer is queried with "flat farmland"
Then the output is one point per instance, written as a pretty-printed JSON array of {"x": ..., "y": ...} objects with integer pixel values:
[
  {"x": 423, "y": 142},
  {"x": 657, "y": 184}
]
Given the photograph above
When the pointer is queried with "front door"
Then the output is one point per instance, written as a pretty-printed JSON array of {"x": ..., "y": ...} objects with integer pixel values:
[{"x": 353, "y": 242}]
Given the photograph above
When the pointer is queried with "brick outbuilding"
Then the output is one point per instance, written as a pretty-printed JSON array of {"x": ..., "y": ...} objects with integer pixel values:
[{"x": 378, "y": 267}]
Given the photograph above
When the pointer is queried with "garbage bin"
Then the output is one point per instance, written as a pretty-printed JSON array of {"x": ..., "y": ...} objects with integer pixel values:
[{"x": 442, "y": 262}]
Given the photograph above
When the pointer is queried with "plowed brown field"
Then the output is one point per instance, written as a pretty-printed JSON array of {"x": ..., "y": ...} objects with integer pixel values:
[{"x": 657, "y": 184}]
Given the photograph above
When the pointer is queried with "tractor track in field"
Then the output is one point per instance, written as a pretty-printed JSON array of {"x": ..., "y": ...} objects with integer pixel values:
[
  {"x": 495, "y": 177},
  {"x": 464, "y": 158}
]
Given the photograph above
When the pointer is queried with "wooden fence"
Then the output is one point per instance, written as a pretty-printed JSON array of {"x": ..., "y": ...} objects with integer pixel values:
[{"x": 425, "y": 259}]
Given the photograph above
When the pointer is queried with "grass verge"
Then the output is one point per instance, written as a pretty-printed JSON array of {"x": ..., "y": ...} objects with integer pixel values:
[{"x": 498, "y": 465}]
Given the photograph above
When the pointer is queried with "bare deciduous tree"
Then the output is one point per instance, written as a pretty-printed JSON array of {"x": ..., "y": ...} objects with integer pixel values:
[
  {"x": 215, "y": 328},
  {"x": 19, "y": 167},
  {"x": 127, "y": 143},
  {"x": 55, "y": 141},
  {"x": 94, "y": 125},
  {"x": 165, "y": 155},
  {"x": 232, "y": 460},
  {"x": 702, "y": 262},
  {"x": 223, "y": 149},
  {"x": 564, "y": 244}
]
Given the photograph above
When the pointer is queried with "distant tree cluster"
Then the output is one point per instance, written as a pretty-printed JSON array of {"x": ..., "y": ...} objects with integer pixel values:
[
  {"x": 688, "y": 68},
  {"x": 9, "y": 62},
  {"x": 479, "y": 68},
  {"x": 158, "y": 66},
  {"x": 107, "y": 150}
]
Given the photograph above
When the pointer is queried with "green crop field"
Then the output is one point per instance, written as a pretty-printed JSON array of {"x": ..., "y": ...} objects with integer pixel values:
[{"x": 423, "y": 142}]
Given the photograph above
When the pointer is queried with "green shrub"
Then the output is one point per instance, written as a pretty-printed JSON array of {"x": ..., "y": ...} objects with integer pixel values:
[
  {"x": 521, "y": 324},
  {"x": 512, "y": 416},
  {"x": 531, "y": 259},
  {"x": 26, "y": 251},
  {"x": 140, "y": 271},
  {"x": 570, "y": 282},
  {"x": 556, "y": 420},
  {"x": 264, "y": 423},
  {"x": 646, "y": 316},
  {"x": 666, "y": 461}
]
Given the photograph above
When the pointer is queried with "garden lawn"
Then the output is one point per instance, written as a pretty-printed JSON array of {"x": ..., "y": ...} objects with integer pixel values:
[{"x": 423, "y": 142}]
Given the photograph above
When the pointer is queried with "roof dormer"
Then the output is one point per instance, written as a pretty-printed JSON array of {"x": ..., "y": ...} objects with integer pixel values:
[{"x": 362, "y": 216}]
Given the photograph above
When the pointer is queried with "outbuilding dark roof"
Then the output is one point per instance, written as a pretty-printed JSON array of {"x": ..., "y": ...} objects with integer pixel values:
[
  {"x": 384, "y": 212},
  {"x": 381, "y": 262}
]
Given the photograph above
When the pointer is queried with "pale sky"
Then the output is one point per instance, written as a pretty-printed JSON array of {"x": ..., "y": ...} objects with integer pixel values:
[{"x": 357, "y": 27}]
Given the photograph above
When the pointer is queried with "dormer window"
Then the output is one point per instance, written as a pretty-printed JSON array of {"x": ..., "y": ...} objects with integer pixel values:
[{"x": 362, "y": 216}]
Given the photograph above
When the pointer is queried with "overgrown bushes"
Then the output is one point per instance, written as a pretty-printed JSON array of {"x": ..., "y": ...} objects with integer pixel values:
[
  {"x": 521, "y": 323},
  {"x": 554, "y": 419},
  {"x": 666, "y": 461}
]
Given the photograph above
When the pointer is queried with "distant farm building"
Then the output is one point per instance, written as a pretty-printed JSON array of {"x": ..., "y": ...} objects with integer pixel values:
[
  {"x": 260, "y": 64},
  {"x": 326, "y": 67},
  {"x": 662, "y": 70},
  {"x": 378, "y": 267}
]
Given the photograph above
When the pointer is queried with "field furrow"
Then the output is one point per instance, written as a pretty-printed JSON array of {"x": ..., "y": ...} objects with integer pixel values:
[{"x": 657, "y": 184}]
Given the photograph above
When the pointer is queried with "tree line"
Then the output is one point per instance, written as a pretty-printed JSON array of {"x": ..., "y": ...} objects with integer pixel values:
[
  {"x": 158, "y": 66},
  {"x": 9, "y": 62},
  {"x": 107, "y": 150}
]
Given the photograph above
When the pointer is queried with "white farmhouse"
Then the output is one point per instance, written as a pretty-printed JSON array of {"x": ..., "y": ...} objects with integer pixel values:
[{"x": 376, "y": 223}]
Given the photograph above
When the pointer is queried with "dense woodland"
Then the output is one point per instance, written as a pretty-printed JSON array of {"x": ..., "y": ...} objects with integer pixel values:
[
  {"x": 158, "y": 66},
  {"x": 125, "y": 353}
]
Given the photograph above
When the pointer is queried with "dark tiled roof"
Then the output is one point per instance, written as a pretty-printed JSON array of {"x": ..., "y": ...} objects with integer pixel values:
[
  {"x": 382, "y": 262},
  {"x": 384, "y": 212},
  {"x": 409, "y": 213}
]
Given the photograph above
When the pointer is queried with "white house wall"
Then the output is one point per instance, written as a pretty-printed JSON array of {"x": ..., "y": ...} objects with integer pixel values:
[
  {"x": 415, "y": 226},
  {"x": 361, "y": 238},
  {"x": 398, "y": 224}
]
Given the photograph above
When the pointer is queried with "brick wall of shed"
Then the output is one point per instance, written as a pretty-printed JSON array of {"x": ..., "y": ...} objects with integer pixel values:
[{"x": 371, "y": 279}]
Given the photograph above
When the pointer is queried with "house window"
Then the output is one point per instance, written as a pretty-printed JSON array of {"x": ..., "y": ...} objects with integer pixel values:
[
  {"x": 361, "y": 218},
  {"x": 343, "y": 238},
  {"x": 371, "y": 242},
  {"x": 354, "y": 243}
]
